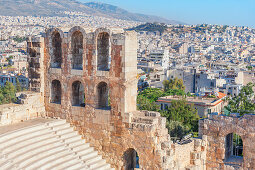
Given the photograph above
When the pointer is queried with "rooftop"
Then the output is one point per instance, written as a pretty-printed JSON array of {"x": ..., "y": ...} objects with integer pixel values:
[{"x": 193, "y": 100}]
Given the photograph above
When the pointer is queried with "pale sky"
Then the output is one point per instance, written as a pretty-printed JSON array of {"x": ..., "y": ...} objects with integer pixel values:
[{"x": 223, "y": 12}]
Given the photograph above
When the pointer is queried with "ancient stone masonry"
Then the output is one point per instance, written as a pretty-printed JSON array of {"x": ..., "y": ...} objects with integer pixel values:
[
  {"x": 219, "y": 132},
  {"x": 35, "y": 48},
  {"x": 88, "y": 77},
  {"x": 30, "y": 105}
]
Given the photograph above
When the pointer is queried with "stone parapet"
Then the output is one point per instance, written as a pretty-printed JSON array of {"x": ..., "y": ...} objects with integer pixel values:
[{"x": 31, "y": 106}]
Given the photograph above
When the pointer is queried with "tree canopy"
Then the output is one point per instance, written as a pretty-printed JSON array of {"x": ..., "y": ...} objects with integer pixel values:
[
  {"x": 8, "y": 93},
  {"x": 181, "y": 116},
  {"x": 243, "y": 102},
  {"x": 173, "y": 84}
]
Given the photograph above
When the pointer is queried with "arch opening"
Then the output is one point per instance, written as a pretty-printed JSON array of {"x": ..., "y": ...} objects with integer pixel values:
[
  {"x": 233, "y": 147},
  {"x": 103, "y": 52},
  {"x": 77, "y": 50},
  {"x": 56, "y": 92},
  {"x": 78, "y": 95},
  {"x": 56, "y": 59},
  {"x": 131, "y": 159},
  {"x": 103, "y": 96}
]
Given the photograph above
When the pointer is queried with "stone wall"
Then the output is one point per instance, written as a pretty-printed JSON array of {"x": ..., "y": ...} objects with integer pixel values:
[
  {"x": 216, "y": 128},
  {"x": 31, "y": 106},
  {"x": 114, "y": 129},
  {"x": 35, "y": 49}
]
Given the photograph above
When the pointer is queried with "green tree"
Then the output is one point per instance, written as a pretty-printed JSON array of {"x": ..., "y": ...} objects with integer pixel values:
[
  {"x": 18, "y": 86},
  {"x": 152, "y": 94},
  {"x": 9, "y": 93},
  {"x": 147, "y": 98},
  {"x": 143, "y": 103},
  {"x": 182, "y": 112},
  {"x": 243, "y": 103},
  {"x": 176, "y": 129},
  {"x": 1, "y": 95},
  {"x": 173, "y": 84}
]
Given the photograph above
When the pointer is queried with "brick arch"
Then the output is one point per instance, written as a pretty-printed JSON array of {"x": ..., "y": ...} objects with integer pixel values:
[
  {"x": 73, "y": 79},
  {"x": 74, "y": 29},
  {"x": 100, "y": 30},
  {"x": 56, "y": 91},
  {"x": 232, "y": 127},
  {"x": 78, "y": 94},
  {"x": 102, "y": 94},
  {"x": 55, "y": 47},
  {"x": 51, "y": 30},
  {"x": 70, "y": 34},
  {"x": 104, "y": 54},
  {"x": 129, "y": 159}
]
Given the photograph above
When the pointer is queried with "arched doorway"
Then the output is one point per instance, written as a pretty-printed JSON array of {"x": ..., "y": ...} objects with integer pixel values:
[
  {"x": 56, "y": 58},
  {"x": 233, "y": 147},
  {"x": 131, "y": 159},
  {"x": 103, "y": 51},
  {"x": 56, "y": 92},
  {"x": 78, "y": 95},
  {"x": 103, "y": 96},
  {"x": 77, "y": 50}
]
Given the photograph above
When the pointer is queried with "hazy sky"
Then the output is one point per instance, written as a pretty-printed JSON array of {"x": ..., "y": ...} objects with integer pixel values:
[{"x": 229, "y": 12}]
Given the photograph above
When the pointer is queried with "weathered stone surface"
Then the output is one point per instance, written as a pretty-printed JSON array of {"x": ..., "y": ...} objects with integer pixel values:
[
  {"x": 31, "y": 106},
  {"x": 216, "y": 130},
  {"x": 69, "y": 89}
]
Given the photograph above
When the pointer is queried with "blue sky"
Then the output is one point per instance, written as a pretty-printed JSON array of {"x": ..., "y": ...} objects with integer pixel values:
[{"x": 225, "y": 12}]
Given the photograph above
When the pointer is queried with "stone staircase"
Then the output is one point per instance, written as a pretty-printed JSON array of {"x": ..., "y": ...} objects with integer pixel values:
[{"x": 50, "y": 145}]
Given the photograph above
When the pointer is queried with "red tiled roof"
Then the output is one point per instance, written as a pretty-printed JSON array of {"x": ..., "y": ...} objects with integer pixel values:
[{"x": 221, "y": 95}]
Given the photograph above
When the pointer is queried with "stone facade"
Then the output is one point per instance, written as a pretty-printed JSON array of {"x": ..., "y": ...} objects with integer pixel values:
[
  {"x": 106, "y": 113},
  {"x": 216, "y": 128},
  {"x": 100, "y": 102},
  {"x": 98, "y": 97}
]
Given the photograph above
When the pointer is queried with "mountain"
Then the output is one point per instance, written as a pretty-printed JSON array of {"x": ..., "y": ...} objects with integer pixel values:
[
  {"x": 120, "y": 13},
  {"x": 52, "y": 7}
]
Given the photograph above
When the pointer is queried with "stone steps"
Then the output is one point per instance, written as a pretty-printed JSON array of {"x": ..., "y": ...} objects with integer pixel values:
[{"x": 51, "y": 145}]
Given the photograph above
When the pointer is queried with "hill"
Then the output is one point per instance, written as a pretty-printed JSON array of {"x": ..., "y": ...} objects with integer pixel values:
[
  {"x": 152, "y": 27},
  {"x": 53, "y": 7},
  {"x": 120, "y": 13}
]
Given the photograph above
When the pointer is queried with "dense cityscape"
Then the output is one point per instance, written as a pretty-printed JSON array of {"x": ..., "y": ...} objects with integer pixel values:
[{"x": 191, "y": 92}]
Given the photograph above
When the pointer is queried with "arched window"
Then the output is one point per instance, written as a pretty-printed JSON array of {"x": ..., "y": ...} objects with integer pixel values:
[
  {"x": 77, "y": 50},
  {"x": 56, "y": 58},
  {"x": 78, "y": 95},
  {"x": 56, "y": 92},
  {"x": 32, "y": 52},
  {"x": 103, "y": 95},
  {"x": 233, "y": 146},
  {"x": 103, "y": 51},
  {"x": 131, "y": 159}
]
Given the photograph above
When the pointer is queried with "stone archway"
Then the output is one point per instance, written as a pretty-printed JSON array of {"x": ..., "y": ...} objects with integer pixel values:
[
  {"x": 78, "y": 95},
  {"x": 103, "y": 51},
  {"x": 56, "y": 92},
  {"x": 130, "y": 159},
  {"x": 77, "y": 50},
  {"x": 56, "y": 58}
]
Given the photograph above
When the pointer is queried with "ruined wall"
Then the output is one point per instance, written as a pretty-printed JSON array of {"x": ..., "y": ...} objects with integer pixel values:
[
  {"x": 216, "y": 128},
  {"x": 31, "y": 105},
  {"x": 114, "y": 129},
  {"x": 35, "y": 49}
]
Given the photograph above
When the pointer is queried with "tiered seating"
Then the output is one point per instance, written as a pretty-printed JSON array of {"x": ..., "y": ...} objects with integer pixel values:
[{"x": 50, "y": 145}]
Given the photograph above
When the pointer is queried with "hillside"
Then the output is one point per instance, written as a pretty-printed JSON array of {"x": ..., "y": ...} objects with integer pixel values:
[
  {"x": 151, "y": 27},
  {"x": 119, "y": 13},
  {"x": 53, "y": 7}
]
